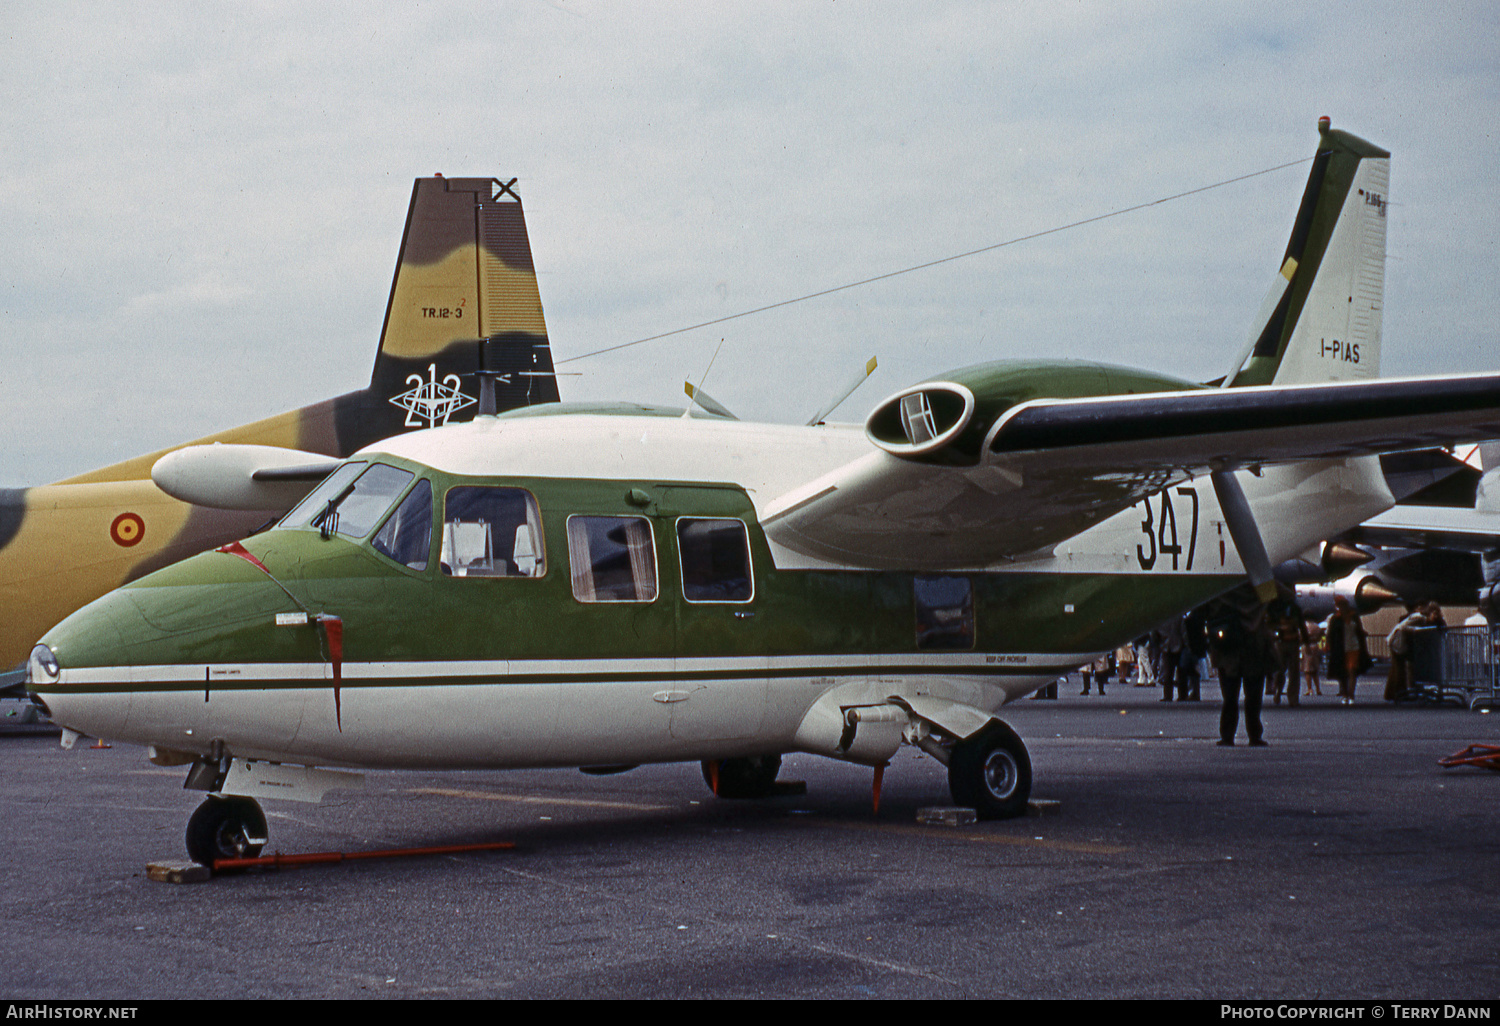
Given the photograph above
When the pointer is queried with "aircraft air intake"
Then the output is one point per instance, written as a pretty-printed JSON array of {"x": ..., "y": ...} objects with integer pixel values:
[{"x": 921, "y": 420}]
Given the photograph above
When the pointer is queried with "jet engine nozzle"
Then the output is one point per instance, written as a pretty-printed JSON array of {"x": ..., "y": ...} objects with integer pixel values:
[
  {"x": 1340, "y": 559},
  {"x": 1370, "y": 595}
]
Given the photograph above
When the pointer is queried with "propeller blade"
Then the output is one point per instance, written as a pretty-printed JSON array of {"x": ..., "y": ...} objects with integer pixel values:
[
  {"x": 707, "y": 402},
  {"x": 859, "y": 379}
]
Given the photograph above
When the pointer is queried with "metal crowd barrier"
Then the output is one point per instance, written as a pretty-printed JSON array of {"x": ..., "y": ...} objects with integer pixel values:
[{"x": 1456, "y": 664}]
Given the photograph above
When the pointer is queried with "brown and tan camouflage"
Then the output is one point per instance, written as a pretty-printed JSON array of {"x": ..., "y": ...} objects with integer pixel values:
[{"x": 464, "y": 297}]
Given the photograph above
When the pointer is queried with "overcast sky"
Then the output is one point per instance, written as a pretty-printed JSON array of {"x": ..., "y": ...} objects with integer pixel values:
[{"x": 201, "y": 204}]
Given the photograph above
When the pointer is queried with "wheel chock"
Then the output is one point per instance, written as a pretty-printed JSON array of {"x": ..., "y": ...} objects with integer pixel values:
[
  {"x": 178, "y": 872},
  {"x": 947, "y": 815}
]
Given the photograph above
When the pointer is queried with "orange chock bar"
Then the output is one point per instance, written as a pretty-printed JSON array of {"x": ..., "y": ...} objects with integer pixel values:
[
  {"x": 1485, "y": 756},
  {"x": 278, "y": 860}
]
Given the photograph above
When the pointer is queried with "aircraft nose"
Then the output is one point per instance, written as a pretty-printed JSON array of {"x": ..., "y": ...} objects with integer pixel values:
[
  {"x": 60, "y": 674},
  {"x": 157, "y": 632}
]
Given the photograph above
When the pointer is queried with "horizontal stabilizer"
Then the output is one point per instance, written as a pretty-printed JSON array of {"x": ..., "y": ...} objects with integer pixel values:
[{"x": 261, "y": 477}]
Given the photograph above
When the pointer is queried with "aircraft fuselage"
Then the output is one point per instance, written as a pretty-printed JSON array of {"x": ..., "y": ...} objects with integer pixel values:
[{"x": 631, "y": 611}]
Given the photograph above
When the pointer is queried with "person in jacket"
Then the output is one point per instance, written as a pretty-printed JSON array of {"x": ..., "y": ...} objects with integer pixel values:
[
  {"x": 1241, "y": 646},
  {"x": 1348, "y": 649}
]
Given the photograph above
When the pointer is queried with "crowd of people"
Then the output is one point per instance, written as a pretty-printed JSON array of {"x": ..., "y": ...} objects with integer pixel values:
[{"x": 1259, "y": 651}]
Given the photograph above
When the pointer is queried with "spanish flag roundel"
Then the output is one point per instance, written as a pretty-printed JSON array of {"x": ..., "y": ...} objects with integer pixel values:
[{"x": 127, "y": 529}]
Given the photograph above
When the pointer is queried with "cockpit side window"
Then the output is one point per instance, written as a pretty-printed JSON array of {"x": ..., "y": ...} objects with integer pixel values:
[
  {"x": 356, "y": 512},
  {"x": 331, "y": 486},
  {"x": 492, "y": 532},
  {"x": 351, "y": 505},
  {"x": 406, "y": 535},
  {"x": 613, "y": 559}
]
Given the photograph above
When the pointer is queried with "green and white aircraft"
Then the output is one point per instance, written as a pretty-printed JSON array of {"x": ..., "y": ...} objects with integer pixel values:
[{"x": 602, "y": 586}]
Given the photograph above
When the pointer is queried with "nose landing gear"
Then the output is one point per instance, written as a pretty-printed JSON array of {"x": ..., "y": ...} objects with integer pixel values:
[{"x": 226, "y": 828}]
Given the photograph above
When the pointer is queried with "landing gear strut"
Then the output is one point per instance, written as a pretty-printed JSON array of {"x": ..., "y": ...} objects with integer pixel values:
[
  {"x": 752, "y": 776},
  {"x": 990, "y": 772},
  {"x": 226, "y": 828}
]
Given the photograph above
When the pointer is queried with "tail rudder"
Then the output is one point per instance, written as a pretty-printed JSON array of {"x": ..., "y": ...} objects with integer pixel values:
[{"x": 1326, "y": 323}]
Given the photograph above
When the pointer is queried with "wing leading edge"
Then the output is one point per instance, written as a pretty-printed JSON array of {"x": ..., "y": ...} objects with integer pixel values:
[{"x": 1051, "y": 468}]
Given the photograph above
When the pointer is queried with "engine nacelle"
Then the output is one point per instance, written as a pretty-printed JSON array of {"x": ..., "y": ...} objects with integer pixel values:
[
  {"x": 1364, "y": 593},
  {"x": 946, "y": 420},
  {"x": 256, "y": 477}
]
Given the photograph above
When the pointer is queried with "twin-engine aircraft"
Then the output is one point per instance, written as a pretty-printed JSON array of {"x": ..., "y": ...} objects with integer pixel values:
[
  {"x": 601, "y": 586},
  {"x": 464, "y": 274}
]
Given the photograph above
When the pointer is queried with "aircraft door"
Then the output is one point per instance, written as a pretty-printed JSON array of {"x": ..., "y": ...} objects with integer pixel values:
[
  {"x": 721, "y": 660},
  {"x": 619, "y": 624}
]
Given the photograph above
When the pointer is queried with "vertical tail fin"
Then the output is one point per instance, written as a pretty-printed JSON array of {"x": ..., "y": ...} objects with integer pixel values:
[
  {"x": 464, "y": 298},
  {"x": 1325, "y": 325}
]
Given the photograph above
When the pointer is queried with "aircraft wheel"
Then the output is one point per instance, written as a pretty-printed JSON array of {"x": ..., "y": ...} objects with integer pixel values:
[
  {"x": 221, "y": 828},
  {"x": 991, "y": 773},
  {"x": 751, "y": 776}
]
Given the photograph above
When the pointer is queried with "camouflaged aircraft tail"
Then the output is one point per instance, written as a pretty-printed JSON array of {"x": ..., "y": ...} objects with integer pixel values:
[
  {"x": 464, "y": 298},
  {"x": 1321, "y": 320},
  {"x": 465, "y": 283}
]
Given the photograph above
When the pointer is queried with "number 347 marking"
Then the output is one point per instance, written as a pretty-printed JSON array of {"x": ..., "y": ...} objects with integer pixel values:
[{"x": 1162, "y": 536}]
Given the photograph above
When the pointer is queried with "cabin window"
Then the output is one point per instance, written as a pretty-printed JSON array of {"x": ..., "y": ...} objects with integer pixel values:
[
  {"x": 492, "y": 532},
  {"x": 715, "y": 558},
  {"x": 351, "y": 505},
  {"x": 945, "y": 612},
  {"x": 406, "y": 535},
  {"x": 613, "y": 559}
]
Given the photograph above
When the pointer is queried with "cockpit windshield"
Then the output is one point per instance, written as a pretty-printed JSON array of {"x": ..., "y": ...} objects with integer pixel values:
[{"x": 351, "y": 500}]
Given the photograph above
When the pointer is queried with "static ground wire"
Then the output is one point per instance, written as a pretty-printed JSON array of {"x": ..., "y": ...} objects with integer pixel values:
[{"x": 935, "y": 263}]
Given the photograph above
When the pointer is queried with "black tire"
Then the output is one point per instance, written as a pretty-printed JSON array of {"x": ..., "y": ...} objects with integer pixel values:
[
  {"x": 221, "y": 828},
  {"x": 990, "y": 773},
  {"x": 751, "y": 776}
]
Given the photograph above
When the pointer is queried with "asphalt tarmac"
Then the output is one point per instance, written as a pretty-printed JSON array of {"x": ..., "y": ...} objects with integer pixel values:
[{"x": 1341, "y": 862}]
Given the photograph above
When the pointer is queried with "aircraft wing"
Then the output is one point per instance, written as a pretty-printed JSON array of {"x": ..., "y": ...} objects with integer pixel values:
[
  {"x": 1050, "y": 468},
  {"x": 1430, "y": 527}
]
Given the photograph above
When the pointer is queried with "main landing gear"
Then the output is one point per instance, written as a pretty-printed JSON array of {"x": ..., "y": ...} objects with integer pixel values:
[
  {"x": 990, "y": 772},
  {"x": 752, "y": 776},
  {"x": 226, "y": 827}
]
